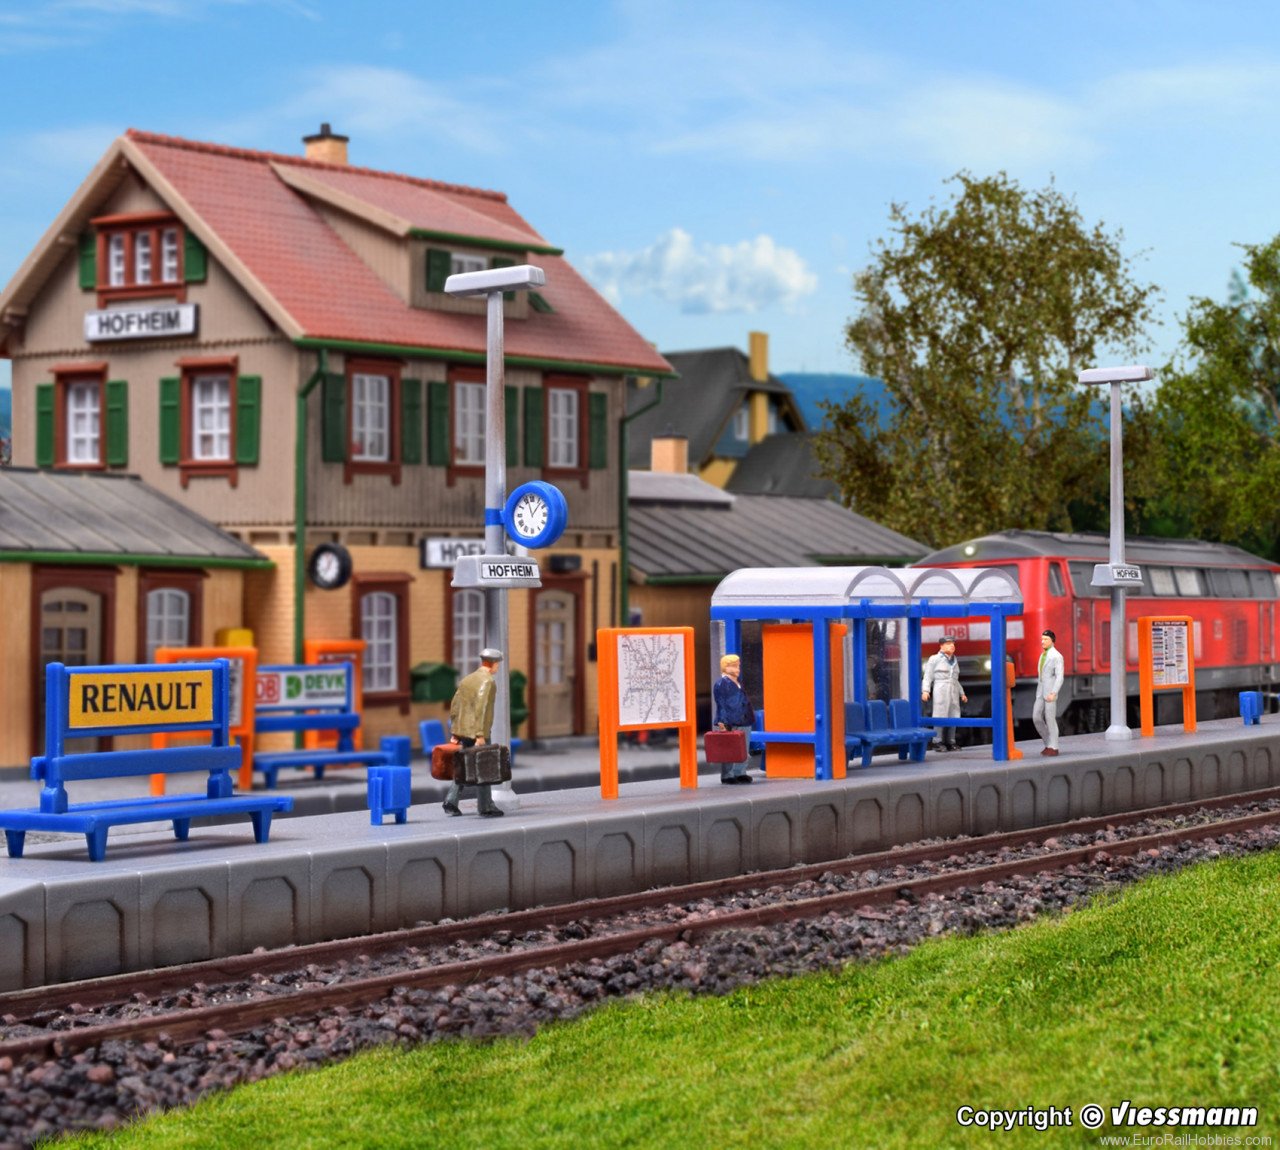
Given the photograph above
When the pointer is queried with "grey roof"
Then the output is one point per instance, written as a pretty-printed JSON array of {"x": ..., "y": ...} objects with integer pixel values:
[
  {"x": 113, "y": 516},
  {"x": 699, "y": 404},
  {"x": 1094, "y": 546},
  {"x": 781, "y": 464},
  {"x": 674, "y": 487},
  {"x": 675, "y": 540}
]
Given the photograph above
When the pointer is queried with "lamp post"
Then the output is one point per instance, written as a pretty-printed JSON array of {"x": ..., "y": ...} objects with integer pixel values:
[
  {"x": 491, "y": 284},
  {"x": 1117, "y": 574}
]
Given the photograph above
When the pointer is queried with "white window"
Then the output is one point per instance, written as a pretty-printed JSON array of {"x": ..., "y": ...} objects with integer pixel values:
[
  {"x": 1162, "y": 581},
  {"x": 169, "y": 255},
  {"x": 211, "y": 417},
  {"x": 773, "y": 418},
  {"x": 84, "y": 421},
  {"x": 742, "y": 424},
  {"x": 468, "y": 629},
  {"x": 1189, "y": 580},
  {"x": 115, "y": 260},
  {"x": 562, "y": 431},
  {"x": 378, "y": 629},
  {"x": 468, "y": 423},
  {"x": 371, "y": 417},
  {"x": 168, "y": 620},
  {"x": 459, "y": 263},
  {"x": 142, "y": 258}
]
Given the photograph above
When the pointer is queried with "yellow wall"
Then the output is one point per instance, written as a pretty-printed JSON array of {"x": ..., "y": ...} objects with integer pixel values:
[{"x": 15, "y": 681}]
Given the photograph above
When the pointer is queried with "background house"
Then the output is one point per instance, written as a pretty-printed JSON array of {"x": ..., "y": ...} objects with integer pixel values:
[{"x": 264, "y": 339}]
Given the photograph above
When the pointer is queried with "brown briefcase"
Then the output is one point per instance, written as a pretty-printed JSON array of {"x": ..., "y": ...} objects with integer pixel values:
[
  {"x": 443, "y": 761},
  {"x": 488, "y": 764},
  {"x": 725, "y": 746}
]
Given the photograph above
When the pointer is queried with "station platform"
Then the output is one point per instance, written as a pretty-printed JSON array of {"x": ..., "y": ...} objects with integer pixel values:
[{"x": 328, "y": 873}]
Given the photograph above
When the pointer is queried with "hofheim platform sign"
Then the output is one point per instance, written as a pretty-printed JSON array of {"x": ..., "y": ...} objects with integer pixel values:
[{"x": 151, "y": 321}]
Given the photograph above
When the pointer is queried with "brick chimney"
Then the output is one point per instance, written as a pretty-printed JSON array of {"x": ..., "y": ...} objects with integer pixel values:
[
  {"x": 327, "y": 147},
  {"x": 758, "y": 344},
  {"x": 669, "y": 452}
]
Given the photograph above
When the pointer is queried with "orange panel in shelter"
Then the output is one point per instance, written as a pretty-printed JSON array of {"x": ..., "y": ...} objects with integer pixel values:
[{"x": 788, "y": 697}]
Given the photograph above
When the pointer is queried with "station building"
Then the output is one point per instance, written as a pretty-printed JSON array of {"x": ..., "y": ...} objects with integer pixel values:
[{"x": 264, "y": 339}]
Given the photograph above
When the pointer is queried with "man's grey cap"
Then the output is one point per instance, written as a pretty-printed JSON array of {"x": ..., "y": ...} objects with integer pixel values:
[
  {"x": 946, "y": 639},
  {"x": 491, "y": 655}
]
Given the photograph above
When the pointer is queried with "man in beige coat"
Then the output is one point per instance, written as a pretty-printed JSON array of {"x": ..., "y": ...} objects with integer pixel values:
[{"x": 470, "y": 725}]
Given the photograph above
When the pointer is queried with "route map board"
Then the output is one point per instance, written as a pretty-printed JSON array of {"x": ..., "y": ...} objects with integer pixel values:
[
  {"x": 651, "y": 680},
  {"x": 645, "y": 682}
]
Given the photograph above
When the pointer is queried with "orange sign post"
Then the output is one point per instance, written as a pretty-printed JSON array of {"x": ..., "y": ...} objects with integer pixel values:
[
  {"x": 1166, "y": 662},
  {"x": 337, "y": 651},
  {"x": 789, "y": 688},
  {"x": 242, "y": 685},
  {"x": 646, "y": 684},
  {"x": 1010, "y": 671}
]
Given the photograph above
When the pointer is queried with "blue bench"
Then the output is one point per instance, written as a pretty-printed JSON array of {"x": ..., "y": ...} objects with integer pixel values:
[
  {"x": 880, "y": 724},
  {"x": 330, "y": 711},
  {"x": 91, "y": 702}
]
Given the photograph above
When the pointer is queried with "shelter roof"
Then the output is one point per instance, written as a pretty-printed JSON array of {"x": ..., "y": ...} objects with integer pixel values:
[{"x": 852, "y": 590}]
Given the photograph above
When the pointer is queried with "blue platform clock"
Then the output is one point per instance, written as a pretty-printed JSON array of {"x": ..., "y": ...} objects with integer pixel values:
[{"x": 535, "y": 514}]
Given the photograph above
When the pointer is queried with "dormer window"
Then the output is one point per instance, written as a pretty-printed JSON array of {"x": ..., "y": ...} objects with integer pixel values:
[
  {"x": 460, "y": 263},
  {"x": 140, "y": 256},
  {"x": 742, "y": 424}
]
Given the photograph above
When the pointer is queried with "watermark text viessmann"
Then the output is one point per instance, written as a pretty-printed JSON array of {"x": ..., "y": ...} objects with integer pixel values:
[{"x": 1091, "y": 1116}]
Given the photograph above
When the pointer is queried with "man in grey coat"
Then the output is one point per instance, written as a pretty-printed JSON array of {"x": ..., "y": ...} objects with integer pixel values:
[
  {"x": 1048, "y": 683},
  {"x": 942, "y": 682}
]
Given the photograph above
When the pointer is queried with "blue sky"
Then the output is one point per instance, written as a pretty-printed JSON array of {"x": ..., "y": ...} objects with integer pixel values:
[{"x": 713, "y": 167}]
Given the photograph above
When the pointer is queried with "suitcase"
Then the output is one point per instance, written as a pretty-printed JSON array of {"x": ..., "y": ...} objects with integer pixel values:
[
  {"x": 725, "y": 746},
  {"x": 488, "y": 764},
  {"x": 444, "y": 761}
]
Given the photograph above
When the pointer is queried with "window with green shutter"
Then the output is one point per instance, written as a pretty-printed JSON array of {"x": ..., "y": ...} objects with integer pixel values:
[
  {"x": 248, "y": 418},
  {"x": 117, "y": 423},
  {"x": 513, "y": 426},
  {"x": 438, "y": 263},
  {"x": 44, "y": 425},
  {"x": 195, "y": 260},
  {"x": 533, "y": 420},
  {"x": 171, "y": 421},
  {"x": 411, "y": 421},
  {"x": 438, "y": 424},
  {"x": 598, "y": 430},
  {"x": 333, "y": 446},
  {"x": 504, "y": 262},
  {"x": 88, "y": 261}
]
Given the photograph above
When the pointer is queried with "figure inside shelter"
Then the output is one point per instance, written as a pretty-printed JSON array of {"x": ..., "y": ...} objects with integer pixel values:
[
  {"x": 734, "y": 712},
  {"x": 942, "y": 683},
  {"x": 1048, "y": 683},
  {"x": 470, "y": 726}
]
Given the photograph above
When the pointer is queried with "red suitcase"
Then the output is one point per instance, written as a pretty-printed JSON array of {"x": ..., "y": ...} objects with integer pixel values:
[
  {"x": 442, "y": 761},
  {"x": 725, "y": 746}
]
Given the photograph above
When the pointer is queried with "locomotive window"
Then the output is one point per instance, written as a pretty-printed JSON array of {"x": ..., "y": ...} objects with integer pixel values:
[
  {"x": 1261, "y": 585},
  {"x": 1081, "y": 574},
  {"x": 1228, "y": 583},
  {"x": 1190, "y": 580},
  {"x": 1056, "y": 587},
  {"x": 1161, "y": 579}
]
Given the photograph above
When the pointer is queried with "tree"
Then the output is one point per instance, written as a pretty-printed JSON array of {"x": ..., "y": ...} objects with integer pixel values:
[
  {"x": 977, "y": 317},
  {"x": 1214, "y": 426}
]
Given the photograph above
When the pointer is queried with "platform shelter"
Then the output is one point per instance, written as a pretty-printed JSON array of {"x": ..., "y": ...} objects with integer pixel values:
[{"x": 834, "y": 605}]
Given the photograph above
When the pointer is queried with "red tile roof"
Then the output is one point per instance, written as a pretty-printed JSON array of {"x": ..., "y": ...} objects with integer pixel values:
[{"x": 284, "y": 243}]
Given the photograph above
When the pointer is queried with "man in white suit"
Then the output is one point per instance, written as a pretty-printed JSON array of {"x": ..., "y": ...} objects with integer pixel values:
[{"x": 1048, "y": 683}]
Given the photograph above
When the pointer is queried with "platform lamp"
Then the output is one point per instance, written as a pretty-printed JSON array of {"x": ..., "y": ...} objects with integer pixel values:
[
  {"x": 1117, "y": 574},
  {"x": 492, "y": 284}
]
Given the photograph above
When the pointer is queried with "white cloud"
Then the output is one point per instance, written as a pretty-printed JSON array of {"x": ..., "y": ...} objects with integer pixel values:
[{"x": 700, "y": 278}]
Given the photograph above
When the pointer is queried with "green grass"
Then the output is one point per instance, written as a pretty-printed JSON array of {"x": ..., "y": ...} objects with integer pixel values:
[{"x": 1166, "y": 995}]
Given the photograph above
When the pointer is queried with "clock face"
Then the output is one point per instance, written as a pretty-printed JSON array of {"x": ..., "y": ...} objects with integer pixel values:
[
  {"x": 529, "y": 516},
  {"x": 330, "y": 566},
  {"x": 327, "y": 567},
  {"x": 535, "y": 514}
]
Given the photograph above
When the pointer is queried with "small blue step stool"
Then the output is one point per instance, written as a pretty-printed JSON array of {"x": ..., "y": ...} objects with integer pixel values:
[{"x": 1251, "y": 707}]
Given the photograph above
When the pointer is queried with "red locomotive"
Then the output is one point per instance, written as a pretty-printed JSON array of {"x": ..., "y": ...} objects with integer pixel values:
[{"x": 1230, "y": 594}]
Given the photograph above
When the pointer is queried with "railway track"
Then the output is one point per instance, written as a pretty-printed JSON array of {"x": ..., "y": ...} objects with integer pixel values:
[{"x": 59, "y": 1021}]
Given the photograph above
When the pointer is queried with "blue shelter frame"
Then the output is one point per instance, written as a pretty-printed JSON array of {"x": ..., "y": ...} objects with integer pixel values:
[{"x": 860, "y": 595}]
